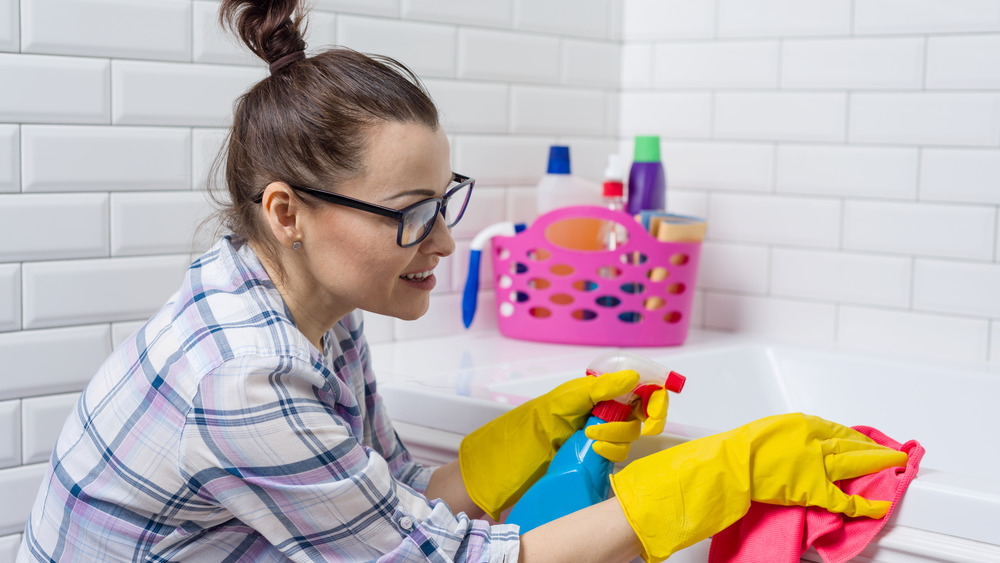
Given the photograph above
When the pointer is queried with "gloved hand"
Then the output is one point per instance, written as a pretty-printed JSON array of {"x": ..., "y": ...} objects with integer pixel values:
[
  {"x": 689, "y": 492},
  {"x": 507, "y": 455}
]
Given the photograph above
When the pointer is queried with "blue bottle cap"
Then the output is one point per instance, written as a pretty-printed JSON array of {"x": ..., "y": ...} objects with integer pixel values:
[{"x": 558, "y": 159}]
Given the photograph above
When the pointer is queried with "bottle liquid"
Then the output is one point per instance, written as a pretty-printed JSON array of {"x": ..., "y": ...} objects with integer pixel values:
[
  {"x": 577, "y": 477},
  {"x": 559, "y": 188},
  {"x": 612, "y": 234},
  {"x": 647, "y": 181}
]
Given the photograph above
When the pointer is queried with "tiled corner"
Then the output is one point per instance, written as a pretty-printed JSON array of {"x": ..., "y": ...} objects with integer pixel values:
[
  {"x": 10, "y": 297},
  {"x": 82, "y": 350},
  {"x": 10, "y": 433},
  {"x": 55, "y": 89},
  {"x": 61, "y": 226},
  {"x": 42, "y": 421}
]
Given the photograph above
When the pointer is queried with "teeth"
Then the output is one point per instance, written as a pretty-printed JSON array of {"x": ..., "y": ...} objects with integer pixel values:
[{"x": 418, "y": 276}]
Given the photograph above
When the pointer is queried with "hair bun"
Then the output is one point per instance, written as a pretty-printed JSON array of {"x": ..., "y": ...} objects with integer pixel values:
[{"x": 271, "y": 29}]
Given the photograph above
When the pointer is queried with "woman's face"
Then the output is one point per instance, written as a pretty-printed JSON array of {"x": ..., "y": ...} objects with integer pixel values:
[{"x": 352, "y": 256}]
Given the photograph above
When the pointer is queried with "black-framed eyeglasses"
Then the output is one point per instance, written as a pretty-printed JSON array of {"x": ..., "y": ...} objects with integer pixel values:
[{"x": 414, "y": 222}]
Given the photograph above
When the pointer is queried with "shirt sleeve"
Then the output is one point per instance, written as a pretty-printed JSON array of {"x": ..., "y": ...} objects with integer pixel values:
[{"x": 267, "y": 441}]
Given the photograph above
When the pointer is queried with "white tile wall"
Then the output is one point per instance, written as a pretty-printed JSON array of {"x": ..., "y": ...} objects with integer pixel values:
[
  {"x": 150, "y": 29},
  {"x": 121, "y": 331},
  {"x": 488, "y": 13},
  {"x": 591, "y": 63},
  {"x": 460, "y": 105},
  {"x": 82, "y": 349},
  {"x": 434, "y": 58},
  {"x": 486, "y": 208},
  {"x": 959, "y": 288},
  {"x": 10, "y": 297},
  {"x": 852, "y": 171},
  {"x": 784, "y": 116},
  {"x": 637, "y": 62},
  {"x": 589, "y": 17},
  {"x": 205, "y": 146},
  {"x": 49, "y": 226},
  {"x": 912, "y": 334},
  {"x": 922, "y": 229},
  {"x": 769, "y": 18},
  {"x": 55, "y": 89},
  {"x": 372, "y": 7},
  {"x": 722, "y": 64},
  {"x": 795, "y": 221},
  {"x": 10, "y": 158},
  {"x": 9, "y": 546},
  {"x": 995, "y": 346},
  {"x": 971, "y": 61},
  {"x": 960, "y": 175},
  {"x": 72, "y": 292},
  {"x": 785, "y": 320},
  {"x": 158, "y": 223},
  {"x": 88, "y": 158},
  {"x": 962, "y": 118},
  {"x": 150, "y": 93},
  {"x": 541, "y": 109},
  {"x": 42, "y": 419},
  {"x": 734, "y": 267},
  {"x": 504, "y": 55},
  {"x": 749, "y": 166},
  {"x": 9, "y": 28},
  {"x": 499, "y": 160},
  {"x": 19, "y": 486},
  {"x": 846, "y": 278},
  {"x": 681, "y": 114},
  {"x": 668, "y": 19},
  {"x": 10, "y": 433},
  {"x": 925, "y": 16},
  {"x": 856, "y": 64}
]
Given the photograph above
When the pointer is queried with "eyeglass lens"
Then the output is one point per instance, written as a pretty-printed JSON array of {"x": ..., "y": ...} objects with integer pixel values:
[{"x": 419, "y": 220}]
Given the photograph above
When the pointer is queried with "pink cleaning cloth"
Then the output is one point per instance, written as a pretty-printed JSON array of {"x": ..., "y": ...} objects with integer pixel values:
[{"x": 771, "y": 533}]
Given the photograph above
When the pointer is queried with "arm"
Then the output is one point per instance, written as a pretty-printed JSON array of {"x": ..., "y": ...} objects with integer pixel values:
[
  {"x": 447, "y": 484},
  {"x": 597, "y": 533}
]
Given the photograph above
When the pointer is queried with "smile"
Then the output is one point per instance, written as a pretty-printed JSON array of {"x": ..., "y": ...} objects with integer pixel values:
[{"x": 419, "y": 276}]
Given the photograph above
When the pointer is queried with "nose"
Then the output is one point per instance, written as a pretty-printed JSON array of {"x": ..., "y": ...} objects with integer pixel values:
[{"x": 439, "y": 241}]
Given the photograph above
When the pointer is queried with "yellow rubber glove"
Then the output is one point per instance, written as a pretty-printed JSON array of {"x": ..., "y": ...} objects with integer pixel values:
[
  {"x": 507, "y": 455},
  {"x": 687, "y": 493}
]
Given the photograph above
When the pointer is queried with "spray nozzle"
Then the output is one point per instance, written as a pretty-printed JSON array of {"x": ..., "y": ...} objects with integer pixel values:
[{"x": 652, "y": 377}]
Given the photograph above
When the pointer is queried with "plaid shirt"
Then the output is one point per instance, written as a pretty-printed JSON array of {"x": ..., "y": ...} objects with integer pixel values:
[{"x": 219, "y": 433}]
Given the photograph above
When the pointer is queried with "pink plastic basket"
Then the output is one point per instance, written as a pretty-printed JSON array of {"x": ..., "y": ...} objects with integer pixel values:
[{"x": 639, "y": 294}]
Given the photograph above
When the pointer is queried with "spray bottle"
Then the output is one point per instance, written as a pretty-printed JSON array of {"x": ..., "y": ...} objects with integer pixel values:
[{"x": 577, "y": 477}]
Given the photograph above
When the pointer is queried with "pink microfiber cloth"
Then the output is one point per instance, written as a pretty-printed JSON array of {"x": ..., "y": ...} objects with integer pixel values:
[{"x": 771, "y": 533}]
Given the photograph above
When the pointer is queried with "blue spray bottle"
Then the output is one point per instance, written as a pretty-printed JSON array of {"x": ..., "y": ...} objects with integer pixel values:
[{"x": 577, "y": 477}]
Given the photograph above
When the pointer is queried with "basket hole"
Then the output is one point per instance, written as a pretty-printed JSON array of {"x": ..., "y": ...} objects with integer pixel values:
[
  {"x": 584, "y": 315},
  {"x": 653, "y": 303},
  {"x": 657, "y": 274},
  {"x": 537, "y": 254},
  {"x": 505, "y": 282},
  {"x": 608, "y": 301},
  {"x": 634, "y": 258},
  {"x": 539, "y": 283},
  {"x": 673, "y": 317},
  {"x": 609, "y": 272},
  {"x": 518, "y": 268},
  {"x": 540, "y": 312},
  {"x": 562, "y": 269},
  {"x": 506, "y": 309},
  {"x": 676, "y": 288},
  {"x": 561, "y": 299},
  {"x": 679, "y": 259},
  {"x": 518, "y": 296},
  {"x": 630, "y": 317},
  {"x": 503, "y": 253},
  {"x": 633, "y": 288},
  {"x": 584, "y": 285},
  {"x": 577, "y": 233}
]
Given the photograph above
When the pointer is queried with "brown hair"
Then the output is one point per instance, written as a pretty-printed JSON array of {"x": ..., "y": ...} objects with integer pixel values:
[{"x": 308, "y": 123}]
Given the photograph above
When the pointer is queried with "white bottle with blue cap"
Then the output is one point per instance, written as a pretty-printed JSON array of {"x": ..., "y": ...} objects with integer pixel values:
[{"x": 559, "y": 188}]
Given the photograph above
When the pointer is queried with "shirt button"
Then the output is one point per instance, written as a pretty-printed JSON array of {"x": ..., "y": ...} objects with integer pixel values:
[{"x": 406, "y": 523}]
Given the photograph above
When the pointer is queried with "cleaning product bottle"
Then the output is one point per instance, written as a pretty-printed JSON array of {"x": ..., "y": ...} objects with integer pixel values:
[
  {"x": 577, "y": 477},
  {"x": 560, "y": 188},
  {"x": 647, "y": 181},
  {"x": 612, "y": 234}
]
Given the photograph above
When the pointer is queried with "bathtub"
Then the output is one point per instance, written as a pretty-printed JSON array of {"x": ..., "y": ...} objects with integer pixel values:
[{"x": 951, "y": 511}]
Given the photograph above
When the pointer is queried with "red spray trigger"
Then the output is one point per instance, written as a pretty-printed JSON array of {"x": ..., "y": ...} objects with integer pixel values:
[{"x": 675, "y": 383}]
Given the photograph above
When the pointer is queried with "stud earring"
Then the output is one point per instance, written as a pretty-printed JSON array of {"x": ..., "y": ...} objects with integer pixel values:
[{"x": 296, "y": 245}]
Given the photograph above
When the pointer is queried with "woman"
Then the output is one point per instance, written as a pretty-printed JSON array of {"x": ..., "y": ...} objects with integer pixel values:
[{"x": 243, "y": 423}]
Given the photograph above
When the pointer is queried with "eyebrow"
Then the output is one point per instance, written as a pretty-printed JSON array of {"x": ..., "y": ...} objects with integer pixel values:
[{"x": 417, "y": 192}]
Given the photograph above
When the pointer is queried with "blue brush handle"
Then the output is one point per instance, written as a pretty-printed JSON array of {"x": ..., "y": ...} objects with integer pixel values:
[{"x": 471, "y": 292}]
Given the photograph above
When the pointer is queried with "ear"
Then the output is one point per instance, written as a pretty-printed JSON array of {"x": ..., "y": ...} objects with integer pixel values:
[{"x": 283, "y": 212}]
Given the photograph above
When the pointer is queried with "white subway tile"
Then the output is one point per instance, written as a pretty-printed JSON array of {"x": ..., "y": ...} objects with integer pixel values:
[
  {"x": 370, "y": 7},
  {"x": 843, "y": 277},
  {"x": 783, "y": 18},
  {"x": 214, "y": 44},
  {"x": 497, "y": 160},
  {"x": 926, "y": 118},
  {"x": 485, "y": 208},
  {"x": 489, "y": 13},
  {"x": 591, "y": 63},
  {"x": 81, "y": 350},
  {"x": 925, "y": 16},
  {"x": 710, "y": 64},
  {"x": 460, "y": 271},
  {"x": 378, "y": 328},
  {"x": 206, "y": 144},
  {"x": 398, "y": 39},
  {"x": 912, "y": 334},
  {"x": 668, "y": 19},
  {"x": 922, "y": 229},
  {"x": 122, "y": 331},
  {"x": 781, "y": 320},
  {"x": 43, "y": 421},
  {"x": 505, "y": 55},
  {"x": 151, "y": 29},
  {"x": 470, "y": 107},
  {"x": 9, "y": 546},
  {"x": 671, "y": 114},
  {"x": 722, "y": 166},
  {"x": 10, "y": 433},
  {"x": 522, "y": 204},
  {"x": 443, "y": 318},
  {"x": 855, "y": 63},
  {"x": 742, "y": 268},
  {"x": 10, "y": 33},
  {"x": 55, "y": 89},
  {"x": 158, "y": 223},
  {"x": 589, "y": 156},
  {"x": 93, "y": 291},
  {"x": 995, "y": 342},
  {"x": 971, "y": 61},
  {"x": 557, "y": 111},
  {"x": 960, "y": 175},
  {"x": 781, "y": 116},
  {"x": 10, "y": 297},
  {"x": 49, "y": 226},
  {"x": 90, "y": 158},
  {"x": 691, "y": 203},
  {"x": 18, "y": 487},
  {"x": 444, "y": 272},
  {"x": 587, "y": 18},
  {"x": 851, "y": 171},
  {"x": 10, "y": 158},
  {"x": 794, "y": 221},
  {"x": 637, "y": 65},
  {"x": 961, "y": 288},
  {"x": 147, "y": 93}
]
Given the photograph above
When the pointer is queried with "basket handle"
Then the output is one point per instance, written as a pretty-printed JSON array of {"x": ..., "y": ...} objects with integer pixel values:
[{"x": 634, "y": 228}]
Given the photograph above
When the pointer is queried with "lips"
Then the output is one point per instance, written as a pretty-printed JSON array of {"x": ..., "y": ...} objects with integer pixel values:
[{"x": 417, "y": 276}]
